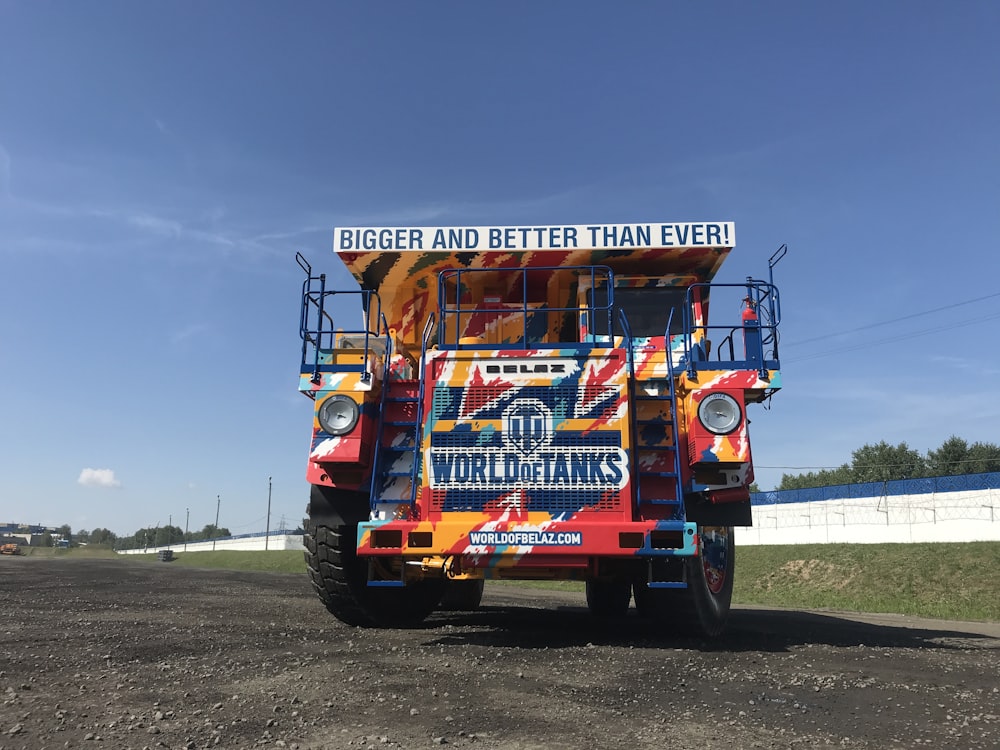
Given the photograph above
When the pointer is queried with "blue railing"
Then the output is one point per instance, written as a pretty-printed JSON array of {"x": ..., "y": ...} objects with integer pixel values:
[
  {"x": 534, "y": 316},
  {"x": 756, "y": 334},
  {"x": 320, "y": 337},
  {"x": 922, "y": 486}
]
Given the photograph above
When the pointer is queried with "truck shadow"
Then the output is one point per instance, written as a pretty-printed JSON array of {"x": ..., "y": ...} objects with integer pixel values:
[{"x": 762, "y": 630}]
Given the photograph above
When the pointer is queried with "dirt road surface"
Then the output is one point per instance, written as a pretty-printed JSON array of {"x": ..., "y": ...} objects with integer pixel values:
[{"x": 122, "y": 654}]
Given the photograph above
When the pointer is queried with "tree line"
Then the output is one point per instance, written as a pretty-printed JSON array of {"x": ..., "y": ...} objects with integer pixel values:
[
  {"x": 153, "y": 536},
  {"x": 165, "y": 536},
  {"x": 883, "y": 462}
]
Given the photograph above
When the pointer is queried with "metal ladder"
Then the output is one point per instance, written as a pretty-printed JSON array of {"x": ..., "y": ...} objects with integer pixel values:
[
  {"x": 399, "y": 433},
  {"x": 659, "y": 485},
  {"x": 657, "y": 435}
]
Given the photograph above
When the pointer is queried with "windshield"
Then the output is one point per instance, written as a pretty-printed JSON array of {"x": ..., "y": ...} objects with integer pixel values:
[{"x": 648, "y": 309}]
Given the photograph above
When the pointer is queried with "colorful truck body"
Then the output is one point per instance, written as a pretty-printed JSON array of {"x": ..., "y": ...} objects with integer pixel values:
[{"x": 533, "y": 402}]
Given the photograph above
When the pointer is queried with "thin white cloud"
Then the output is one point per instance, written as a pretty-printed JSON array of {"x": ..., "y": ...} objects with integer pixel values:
[
  {"x": 156, "y": 224},
  {"x": 98, "y": 478},
  {"x": 184, "y": 334}
]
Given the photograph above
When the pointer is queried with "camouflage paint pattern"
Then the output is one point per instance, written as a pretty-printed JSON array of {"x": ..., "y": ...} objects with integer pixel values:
[{"x": 530, "y": 457}]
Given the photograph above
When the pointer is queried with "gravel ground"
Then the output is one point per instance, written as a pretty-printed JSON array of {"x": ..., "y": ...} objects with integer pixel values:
[{"x": 122, "y": 654}]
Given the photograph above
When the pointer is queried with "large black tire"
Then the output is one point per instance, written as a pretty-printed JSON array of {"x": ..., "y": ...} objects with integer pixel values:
[
  {"x": 340, "y": 577},
  {"x": 463, "y": 595},
  {"x": 608, "y": 598},
  {"x": 702, "y": 608}
]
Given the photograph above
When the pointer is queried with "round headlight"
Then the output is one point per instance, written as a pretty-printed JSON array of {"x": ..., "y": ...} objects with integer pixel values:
[
  {"x": 338, "y": 414},
  {"x": 719, "y": 413}
]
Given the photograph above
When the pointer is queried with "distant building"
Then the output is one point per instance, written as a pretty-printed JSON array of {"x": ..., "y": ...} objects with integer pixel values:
[{"x": 27, "y": 533}]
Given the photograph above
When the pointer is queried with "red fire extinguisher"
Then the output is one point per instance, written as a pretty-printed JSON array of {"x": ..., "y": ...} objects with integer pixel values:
[{"x": 752, "y": 344}]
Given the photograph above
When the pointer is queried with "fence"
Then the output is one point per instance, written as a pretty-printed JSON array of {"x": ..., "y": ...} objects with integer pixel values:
[{"x": 936, "y": 509}]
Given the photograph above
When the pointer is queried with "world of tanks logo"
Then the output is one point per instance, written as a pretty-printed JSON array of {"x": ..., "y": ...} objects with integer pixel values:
[
  {"x": 527, "y": 426},
  {"x": 527, "y": 458}
]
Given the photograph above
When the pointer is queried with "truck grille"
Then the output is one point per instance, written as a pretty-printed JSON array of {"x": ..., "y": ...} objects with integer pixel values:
[{"x": 514, "y": 449}]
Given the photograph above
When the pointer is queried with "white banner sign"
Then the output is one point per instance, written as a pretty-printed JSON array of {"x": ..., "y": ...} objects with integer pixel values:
[{"x": 591, "y": 236}]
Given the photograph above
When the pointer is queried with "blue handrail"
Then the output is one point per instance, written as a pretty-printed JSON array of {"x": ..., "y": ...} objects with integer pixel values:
[
  {"x": 320, "y": 337},
  {"x": 455, "y": 312},
  {"x": 760, "y": 330}
]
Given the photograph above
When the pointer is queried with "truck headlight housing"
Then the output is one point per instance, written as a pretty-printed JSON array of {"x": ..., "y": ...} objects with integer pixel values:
[
  {"x": 339, "y": 414},
  {"x": 719, "y": 413}
]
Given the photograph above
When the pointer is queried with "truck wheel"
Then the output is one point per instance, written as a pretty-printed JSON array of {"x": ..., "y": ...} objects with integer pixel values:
[
  {"x": 703, "y": 607},
  {"x": 340, "y": 579},
  {"x": 463, "y": 595},
  {"x": 608, "y": 598}
]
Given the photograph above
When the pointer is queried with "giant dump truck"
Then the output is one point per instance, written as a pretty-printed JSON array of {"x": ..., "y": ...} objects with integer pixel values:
[{"x": 522, "y": 402}]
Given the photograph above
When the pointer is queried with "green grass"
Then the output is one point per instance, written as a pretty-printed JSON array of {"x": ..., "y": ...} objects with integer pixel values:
[
  {"x": 958, "y": 581},
  {"x": 948, "y": 581},
  {"x": 277, "y": 561}
]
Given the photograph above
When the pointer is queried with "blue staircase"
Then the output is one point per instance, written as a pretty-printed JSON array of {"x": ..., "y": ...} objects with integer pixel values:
[
  {"x": 657, "y": 459},
  {"x": 396, "y": 473},
  {"x": 654, "y": 438},
  {"x": 398, "y": 463}
]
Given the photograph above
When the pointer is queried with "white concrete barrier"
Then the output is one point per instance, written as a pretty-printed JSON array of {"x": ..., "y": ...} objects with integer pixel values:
[
  {"x": 965, "y": 516},
  {"x": 274, "y": 542}
]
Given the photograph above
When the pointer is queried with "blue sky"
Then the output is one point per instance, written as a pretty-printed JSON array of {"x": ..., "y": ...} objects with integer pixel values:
[{"x": 161, "y": 163}]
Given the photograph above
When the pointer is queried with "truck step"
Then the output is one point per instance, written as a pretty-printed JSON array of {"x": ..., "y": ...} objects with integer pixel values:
[{"x": 386, "y": 584}]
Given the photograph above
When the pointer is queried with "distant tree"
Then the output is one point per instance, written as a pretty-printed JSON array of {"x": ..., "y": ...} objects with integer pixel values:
[
  {"x": 883, "y": 463},
  {"x": 822, "y": 478},
  {"x": 102, "y": 536},
  {"x": 797, "y": 481},
  {"x": 211, "y": 531},
  {"x": 45, "y": 540},
  {"x": 146, "y": 537},
  {"x": 65, "y": 531},
  {"x": 754, "y": 487},
  {"x": 983, "y": 457},
  {"x": 951, "y": 458},
  {"x": 166, "y": 535},
  {"x": 82, "y": 537}
]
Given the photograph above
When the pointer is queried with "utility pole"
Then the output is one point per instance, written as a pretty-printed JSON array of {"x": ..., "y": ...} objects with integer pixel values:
[
  {"x": 267, "y": 531},
  {"x": 215, "y": 531},
  {"x": 187, "y": 518}
]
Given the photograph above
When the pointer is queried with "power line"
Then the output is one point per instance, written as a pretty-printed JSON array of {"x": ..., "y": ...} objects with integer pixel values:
[
  {"x": 894, "y": 339},
  {"x": 893, "y": 320},
  {"x": 888, "y": 466}
]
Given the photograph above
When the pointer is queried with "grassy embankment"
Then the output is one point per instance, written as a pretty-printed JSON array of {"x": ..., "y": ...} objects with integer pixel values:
[
  {"x": 89, "y": 552},
  {"x": 951, "y": 581}
]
